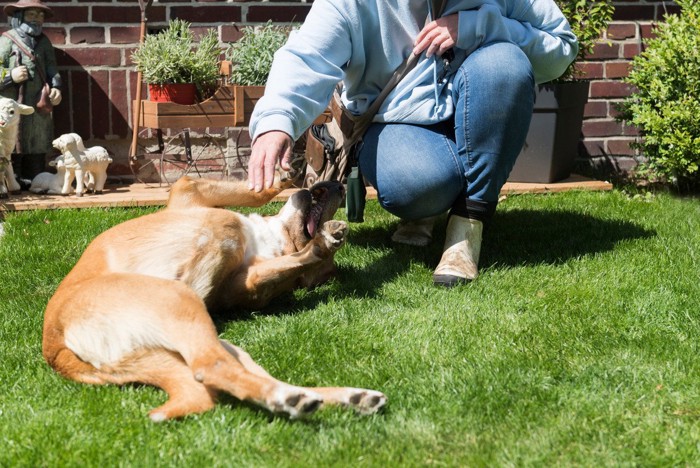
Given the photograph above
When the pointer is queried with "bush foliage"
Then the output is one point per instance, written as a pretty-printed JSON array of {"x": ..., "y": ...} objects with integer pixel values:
[
  {"x": 252, "y": 54},
  {"x": 666, "y": 105}
]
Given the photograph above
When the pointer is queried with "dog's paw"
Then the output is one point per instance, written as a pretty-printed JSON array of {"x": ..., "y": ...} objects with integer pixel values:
[
  {"x": 365, "y": 401},
  {"x": 294, "y": 402},
  {"x": 297, "y": 167},
  {"x": 334, "y": 233}
]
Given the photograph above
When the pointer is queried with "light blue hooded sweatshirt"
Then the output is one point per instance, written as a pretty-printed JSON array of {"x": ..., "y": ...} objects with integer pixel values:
[{"x": 362, "y": 42}]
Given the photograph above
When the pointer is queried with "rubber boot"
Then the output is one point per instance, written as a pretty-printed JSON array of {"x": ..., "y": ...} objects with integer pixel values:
[
  {"x": 418, "y": 232},
  {"x": 460, "y": 257}
]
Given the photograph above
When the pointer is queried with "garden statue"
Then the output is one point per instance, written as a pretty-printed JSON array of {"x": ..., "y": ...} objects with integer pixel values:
[
  {"x": 88, "y": 166},
  {"x": 28, "y": 74}
]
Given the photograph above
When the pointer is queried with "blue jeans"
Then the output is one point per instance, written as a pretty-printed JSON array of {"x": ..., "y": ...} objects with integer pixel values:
[{"x": 422, "y": 171}]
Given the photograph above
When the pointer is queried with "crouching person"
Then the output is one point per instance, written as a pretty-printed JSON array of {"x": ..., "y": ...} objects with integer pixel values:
[{"x": 446, "y": 138}]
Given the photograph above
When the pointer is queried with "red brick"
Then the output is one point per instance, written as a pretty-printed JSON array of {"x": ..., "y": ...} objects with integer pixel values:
[
  {"x": 630, "y": 51},
  {"x": 615, "y": 108},
  {"x": 630, "y": 130},
  {"x": 668, "y": 9},
  {"x": 126, "y": 14},
  {"x": 70, "y": 15},
  {"x": 57, "y": 36},
  {"x": 95, "y": 56},
  {"x": 593, "y": 148},
  {"x": 596, "y": 109},
  {"x": 617, "y": 69},
  {"x": 230, "y": 33},
  {"x": 62, "y": 112},
  {"x": 621, "y": 31},
  {"x": 605, "y": 51},
  {"x": 610, "y": 89},
  {"x": 278, "y": 14},
  {"x": 124, "y": 34},
  {"x": 80, "y": 102},
  {"x": 647, "y": 31},
  {"x": 121, "y": 118},
  {"x": 626, "y": 12},
  {"x": 621, "y": 147},
  {"x": 601, "y": 128},
  {"x": 99, "y": 103},
  {"x": 89, "y": 35},
  {"x": 207, "y": 14},
  {"x": 591, "y": 70}
]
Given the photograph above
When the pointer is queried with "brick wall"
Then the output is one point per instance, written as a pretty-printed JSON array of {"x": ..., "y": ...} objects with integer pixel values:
[
  {"x": 94, "y": 40},
  {"x": 605, "y": 141}
]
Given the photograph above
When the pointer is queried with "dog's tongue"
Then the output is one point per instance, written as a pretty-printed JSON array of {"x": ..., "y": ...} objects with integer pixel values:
[
  {"x": 311, "y": 226},
  {"x": 313, "y": 219}
]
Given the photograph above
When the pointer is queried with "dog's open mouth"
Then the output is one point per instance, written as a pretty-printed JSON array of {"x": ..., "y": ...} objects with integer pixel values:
[
  {"x": 325, "y": 199},
  {"x": 319, "y": 197}
]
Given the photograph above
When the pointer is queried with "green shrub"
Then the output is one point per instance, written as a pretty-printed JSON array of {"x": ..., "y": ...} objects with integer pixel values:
[
  {"x": 666, "y": 105},
  {"x": 173, "y": 56},
  {"x": 588, "y": 20},
  {"x": 251, "y": 56}
]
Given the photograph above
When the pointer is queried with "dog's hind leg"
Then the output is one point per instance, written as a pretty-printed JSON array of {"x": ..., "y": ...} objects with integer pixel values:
[
  {"x": 362, "y": 400},
  {"x": 158, "y": 332}
]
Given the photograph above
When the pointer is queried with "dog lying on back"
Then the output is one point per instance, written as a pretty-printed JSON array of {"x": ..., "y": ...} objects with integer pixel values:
[{"x": 135, "y": 306}]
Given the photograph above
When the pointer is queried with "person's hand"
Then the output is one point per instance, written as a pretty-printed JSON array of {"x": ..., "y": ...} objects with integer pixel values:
[
  {"x": 55, "y": 96},
  {"x": 19, "y": 74},
  {"x": 437, "y": 37},
  {"x": 268, "y": 148}
]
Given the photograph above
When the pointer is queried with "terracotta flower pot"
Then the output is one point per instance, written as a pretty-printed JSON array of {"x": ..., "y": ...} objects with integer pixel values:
[{"x": 179, "y": 93}]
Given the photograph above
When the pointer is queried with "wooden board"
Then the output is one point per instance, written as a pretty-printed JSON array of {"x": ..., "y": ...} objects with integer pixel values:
[
  {"x": 245, "y": 98},
  {"x": 155, "y": 195},
  {"x": 230, "y": 106}
]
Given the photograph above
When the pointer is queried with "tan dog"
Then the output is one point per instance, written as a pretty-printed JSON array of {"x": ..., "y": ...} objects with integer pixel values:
[{"x": 135, "y": 306}]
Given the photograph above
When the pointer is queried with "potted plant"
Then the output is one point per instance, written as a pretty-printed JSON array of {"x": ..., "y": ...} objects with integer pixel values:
[
  {"x": 551, "y": 145},
  {"x": 251, "y": 58},
  {"x": 173, "y": 57}
]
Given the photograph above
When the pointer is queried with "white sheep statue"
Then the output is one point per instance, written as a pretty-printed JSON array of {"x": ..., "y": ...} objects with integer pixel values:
[
  {"x": 10, "y": 112},
  {"x": 47, "y": 182},
  {"x": 82, "y": 164}
]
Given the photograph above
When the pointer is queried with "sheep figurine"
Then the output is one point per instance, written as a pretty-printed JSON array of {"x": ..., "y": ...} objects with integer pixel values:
[
  {"x": 46, "y": 182},
  {"x": 10, "y": 112},
  {"x": 82, "y": 164}
]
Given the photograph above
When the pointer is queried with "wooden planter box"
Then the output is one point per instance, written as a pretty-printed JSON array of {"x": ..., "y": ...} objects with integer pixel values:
[{"x": 230, "y": 106}]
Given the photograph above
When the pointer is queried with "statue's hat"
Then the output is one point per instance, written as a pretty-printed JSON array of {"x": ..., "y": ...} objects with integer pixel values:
[{"x": 24, "y": 4}]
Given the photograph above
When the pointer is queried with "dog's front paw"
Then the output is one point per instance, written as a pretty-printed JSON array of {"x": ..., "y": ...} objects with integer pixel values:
[
  {"x": 334, "y": 233},
  {"x": 297, "y": 166},
  {"x": 294, "y": 402}
]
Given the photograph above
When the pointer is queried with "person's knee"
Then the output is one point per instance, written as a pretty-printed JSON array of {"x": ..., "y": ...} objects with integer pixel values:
[{"x": 503, "y": 65}]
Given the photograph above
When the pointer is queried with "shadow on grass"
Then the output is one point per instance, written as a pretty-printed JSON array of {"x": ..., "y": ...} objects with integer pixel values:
[
  {"x": 515, "y": 238},
  {"x": 531, "y": 237}
]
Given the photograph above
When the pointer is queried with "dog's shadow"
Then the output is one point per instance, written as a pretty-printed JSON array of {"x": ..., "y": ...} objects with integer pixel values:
[{"x": 514, "y": 238}]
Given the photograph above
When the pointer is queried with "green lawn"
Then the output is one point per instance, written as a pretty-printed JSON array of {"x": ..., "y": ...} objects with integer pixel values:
[{"x": 577, "y": 345}]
